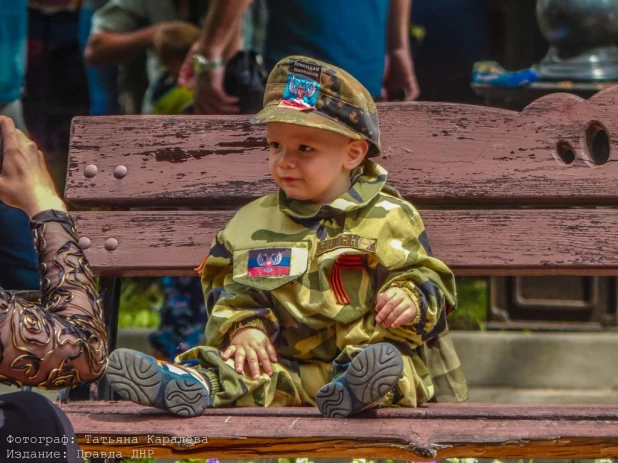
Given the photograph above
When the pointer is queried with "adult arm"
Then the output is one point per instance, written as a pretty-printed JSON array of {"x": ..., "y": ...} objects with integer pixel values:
[
  {"x": 221, "y": 27},
  {"x": 120, "y": 31},
  {"x": 399, "y": 76},
  {"x": 61, "y": 341},
  {"x": 220, "y": 39},
  {"x": 115, "y": 48}
]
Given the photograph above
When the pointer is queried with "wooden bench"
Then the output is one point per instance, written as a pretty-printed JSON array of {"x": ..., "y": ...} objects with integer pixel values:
[{"x": 501, "y": 193}]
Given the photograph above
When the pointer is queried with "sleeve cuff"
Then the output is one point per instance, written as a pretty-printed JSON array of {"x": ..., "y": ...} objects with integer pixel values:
[
  {"x": 412, "y": 293},
  {"x": 51, "y": 215},
  {"x": 257, "y": 323}
]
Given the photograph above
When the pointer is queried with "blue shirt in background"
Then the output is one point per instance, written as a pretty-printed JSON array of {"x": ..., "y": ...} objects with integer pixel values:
[
  {"x": 350, "y": 34},
  {"x": 13, "y": 41}
]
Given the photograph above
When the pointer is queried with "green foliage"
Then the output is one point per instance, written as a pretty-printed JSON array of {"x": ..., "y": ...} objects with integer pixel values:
[
  {"x": 140, "y": 301},
  {"x": 471, "y": 313}
]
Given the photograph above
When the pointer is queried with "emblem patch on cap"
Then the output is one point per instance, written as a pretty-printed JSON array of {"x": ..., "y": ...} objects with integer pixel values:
[
  {"x": 301, "y": 89},
  {"x": 269, "y": 262}
]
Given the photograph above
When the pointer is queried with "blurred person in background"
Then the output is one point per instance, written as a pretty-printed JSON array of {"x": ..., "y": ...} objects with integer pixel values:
[
  {"x": 18, "y": 260},
  {"x": 372, "y": 43},
  {"x": 172, "y": 42},
  {"x": 13, "y": 48},
  {"x": 102, "y": 80},
  {"x": 123, "y": 29},
  {"x": 182, "y": 319}
]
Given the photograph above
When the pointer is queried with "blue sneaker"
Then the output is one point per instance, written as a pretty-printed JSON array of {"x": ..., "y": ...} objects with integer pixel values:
[
  {"x": 370, "y": 376},
  {"x": 145, "y": 380}
]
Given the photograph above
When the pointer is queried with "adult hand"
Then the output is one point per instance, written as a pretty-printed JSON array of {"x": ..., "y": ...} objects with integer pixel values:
[
  {"x": 252, "y": 345},
  {"x": 399, "y": 81},
  {"x": 210, "y": 97},
  {"x": 186, "y": 76},
  {"x": 25, "y": 181},
  {"x": 395, "y": 308}
]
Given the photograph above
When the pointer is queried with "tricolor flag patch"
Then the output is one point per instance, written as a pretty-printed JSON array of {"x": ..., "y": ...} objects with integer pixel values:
[{"x": 269, "y": 262}]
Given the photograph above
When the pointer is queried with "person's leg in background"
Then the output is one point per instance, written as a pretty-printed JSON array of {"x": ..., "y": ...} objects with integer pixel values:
[
  {"x": 102, "y": 80},
  {"x": 182, "y": 317}
]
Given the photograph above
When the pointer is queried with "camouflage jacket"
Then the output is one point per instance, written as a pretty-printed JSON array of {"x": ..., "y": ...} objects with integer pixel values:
[{"x": 308, "y": 275}]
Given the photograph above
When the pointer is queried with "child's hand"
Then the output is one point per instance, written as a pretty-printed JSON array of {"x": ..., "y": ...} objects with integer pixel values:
[
  {"x": 395, "y": 308},
  {"x": 253, "y": 345}
]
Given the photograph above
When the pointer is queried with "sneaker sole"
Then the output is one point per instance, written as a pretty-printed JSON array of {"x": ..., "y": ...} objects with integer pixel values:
[
  {"x": 370, "y": 376},
  {"x": 141, "y": 380}
]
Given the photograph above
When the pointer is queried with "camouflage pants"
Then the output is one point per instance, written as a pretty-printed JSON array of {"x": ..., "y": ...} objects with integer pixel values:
[{"x": 294, "y": 383}]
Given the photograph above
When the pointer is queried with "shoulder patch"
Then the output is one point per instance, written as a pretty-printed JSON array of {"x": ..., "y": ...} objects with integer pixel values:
[{"x": 346, "y": 240}]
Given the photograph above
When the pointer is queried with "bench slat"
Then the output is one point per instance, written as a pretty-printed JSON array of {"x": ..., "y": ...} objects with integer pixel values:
[
  {"x": 548, "y": 242},
  {"x": 434, "y": 432},
  {"x": 436, "y": 153}
]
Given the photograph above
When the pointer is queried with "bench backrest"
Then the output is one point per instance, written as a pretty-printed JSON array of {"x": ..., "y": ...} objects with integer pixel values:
[{"x": 500, "y": 192}]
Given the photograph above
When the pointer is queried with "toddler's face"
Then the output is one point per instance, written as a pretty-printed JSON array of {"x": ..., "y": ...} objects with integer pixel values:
[{"x": 309, "y": 164}]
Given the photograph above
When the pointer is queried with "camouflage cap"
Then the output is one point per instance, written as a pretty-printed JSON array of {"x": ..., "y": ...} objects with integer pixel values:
[{"x": 305, "y": 91}]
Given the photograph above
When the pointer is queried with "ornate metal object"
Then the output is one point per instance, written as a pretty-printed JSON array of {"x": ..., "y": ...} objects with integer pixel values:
[{"x": 582, "y": 35}]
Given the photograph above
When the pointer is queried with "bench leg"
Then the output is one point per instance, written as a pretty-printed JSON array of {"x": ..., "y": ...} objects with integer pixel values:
[{"x": 109, "y": 289}]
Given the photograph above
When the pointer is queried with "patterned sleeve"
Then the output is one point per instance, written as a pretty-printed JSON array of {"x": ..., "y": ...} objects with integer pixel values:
[
  {"x": 61, "y": 341},
  {"x": 232, "y": 306}
]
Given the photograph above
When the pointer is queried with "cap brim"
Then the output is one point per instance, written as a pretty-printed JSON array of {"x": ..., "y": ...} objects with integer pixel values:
[{"x": 308, "y": 118}]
